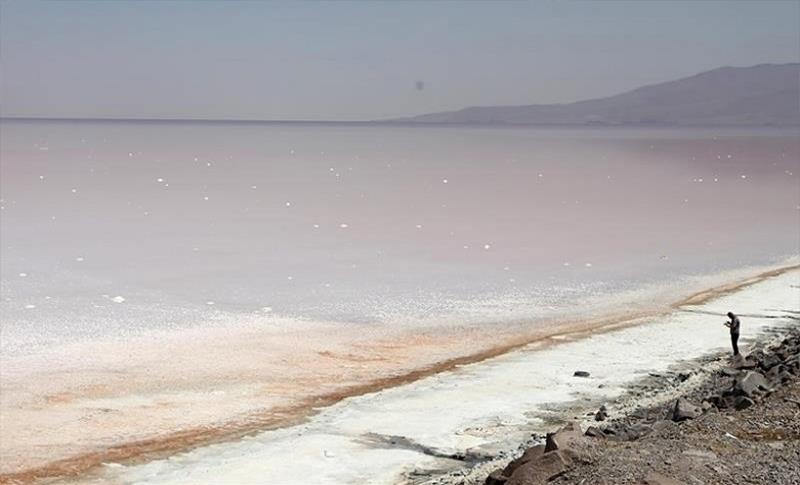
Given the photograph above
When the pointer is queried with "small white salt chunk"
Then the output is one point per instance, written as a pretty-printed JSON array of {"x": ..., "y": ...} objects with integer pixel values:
[
  {"x": 419, "y": 226},
  {"x": 266, "y": 309},
  {"x": 74, "y": 191},
  {"x": 588, "y": 265},
  {"x": 444, "y": 181},
  {"x": 23, "y": 275},
  {"x": 744, "y": 176},
  {"x": 205, "y": 197},
  {"x": 288, "y": 204},
  {"x": 486, "y": 246},
  {"x": 344, "y": 226},
  {"x": 316, "y": 226},
  {"x": 79, "y": 259},
  {"x": 209, "y": 303},
  {"x": 159, "y": 180},
  {"x": 30, "y": 307},
  {"x": 118, "y": 299}
]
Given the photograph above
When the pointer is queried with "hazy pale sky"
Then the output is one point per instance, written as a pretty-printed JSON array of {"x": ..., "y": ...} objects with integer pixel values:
[{"x": 363, "y": 60}]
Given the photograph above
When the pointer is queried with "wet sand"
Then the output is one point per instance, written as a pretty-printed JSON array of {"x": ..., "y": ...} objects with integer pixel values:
[{"x": 68, "y": 416}]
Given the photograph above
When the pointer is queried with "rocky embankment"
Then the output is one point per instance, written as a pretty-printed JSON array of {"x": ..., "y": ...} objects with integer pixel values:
[{"x": 740, "y": 424}]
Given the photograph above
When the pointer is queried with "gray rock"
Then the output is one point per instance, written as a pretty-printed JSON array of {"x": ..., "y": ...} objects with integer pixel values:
[
  {"x": 742, "y": 402},
  {"x": 742, "y": 362},
  {"x": 531, "y": 453},
  {"x": 581, "y": 373},
  {"x": 567, "y": 437},
  {"x": 685, "y": 410},
  {"x": 594, "y": 432},
  {"x": 540, "y": 470},
  {"x": 602, "y": 414},
  {"x": 496, "y": 478},
  {"x": 749, "y": 384},
  {"x": 729, "y": 371}
]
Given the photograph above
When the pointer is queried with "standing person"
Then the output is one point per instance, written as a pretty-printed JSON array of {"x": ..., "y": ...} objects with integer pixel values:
[{"x": 733, "y": 324}]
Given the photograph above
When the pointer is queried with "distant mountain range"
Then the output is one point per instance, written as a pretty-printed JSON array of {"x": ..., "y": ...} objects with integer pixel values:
[{"x": 762, "y": 95}]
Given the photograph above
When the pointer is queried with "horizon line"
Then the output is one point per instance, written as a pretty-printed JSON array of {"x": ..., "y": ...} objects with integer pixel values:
[{"x": 393, "y": 122}]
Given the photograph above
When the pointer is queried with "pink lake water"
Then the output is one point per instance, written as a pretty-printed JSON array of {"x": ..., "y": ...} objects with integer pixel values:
[{"x": 111, "y": 229}]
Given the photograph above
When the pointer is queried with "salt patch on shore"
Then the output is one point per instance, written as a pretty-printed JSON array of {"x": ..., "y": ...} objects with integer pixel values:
[{"x": 482, "y": 405}]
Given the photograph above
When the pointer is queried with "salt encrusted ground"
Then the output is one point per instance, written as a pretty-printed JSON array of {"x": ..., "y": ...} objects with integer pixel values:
[{"x": 477, "y": 410}]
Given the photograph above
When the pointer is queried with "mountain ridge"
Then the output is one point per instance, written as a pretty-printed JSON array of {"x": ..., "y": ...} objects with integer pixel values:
[{"x": 762, "y": 95}]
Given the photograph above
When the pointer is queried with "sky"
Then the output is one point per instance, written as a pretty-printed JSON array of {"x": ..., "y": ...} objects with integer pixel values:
[{"x": 363, "y": 60}]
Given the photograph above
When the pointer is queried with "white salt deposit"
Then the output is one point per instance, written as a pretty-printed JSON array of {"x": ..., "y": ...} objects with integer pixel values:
[{"x": 472, "y": 406}]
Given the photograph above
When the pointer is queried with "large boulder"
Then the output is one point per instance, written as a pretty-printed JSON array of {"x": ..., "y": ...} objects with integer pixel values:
[
  {"x": 568, "y": 437},
  {"x": 594, "y": 432},
  {"x": 531, "y": 453},
  {"x": 540, "y": 470},
  {"x": 749, "y": 384},
  {"x": 631, "y": 432},
  {"x": 768, "y": 361},
  {"x": 741, "y": 362},
  {"x": 685, "y": 410},
  {"x": 742, "y": 402},
  {"x": 496, "y": 478}
]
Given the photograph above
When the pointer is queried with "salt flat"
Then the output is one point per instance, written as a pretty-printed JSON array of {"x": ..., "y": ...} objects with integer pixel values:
[{"x": 377, "y": 438}]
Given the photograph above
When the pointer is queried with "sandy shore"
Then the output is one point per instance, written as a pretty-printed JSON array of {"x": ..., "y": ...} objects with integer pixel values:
[{"x": 70, "y": 416}]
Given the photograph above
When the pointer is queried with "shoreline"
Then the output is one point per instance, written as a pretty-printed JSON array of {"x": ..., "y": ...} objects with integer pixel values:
[
  {"x": 733, "y": 420},
  {"x": 282, "y": 417},
  {"x": 448, "y": 420}
]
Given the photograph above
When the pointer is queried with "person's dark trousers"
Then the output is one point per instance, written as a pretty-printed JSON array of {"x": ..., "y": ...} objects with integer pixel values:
[{"x": 735, "y": 343}]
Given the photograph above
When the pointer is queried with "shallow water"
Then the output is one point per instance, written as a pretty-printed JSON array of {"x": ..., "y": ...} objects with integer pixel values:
[{"x": 110, "y": 229}]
